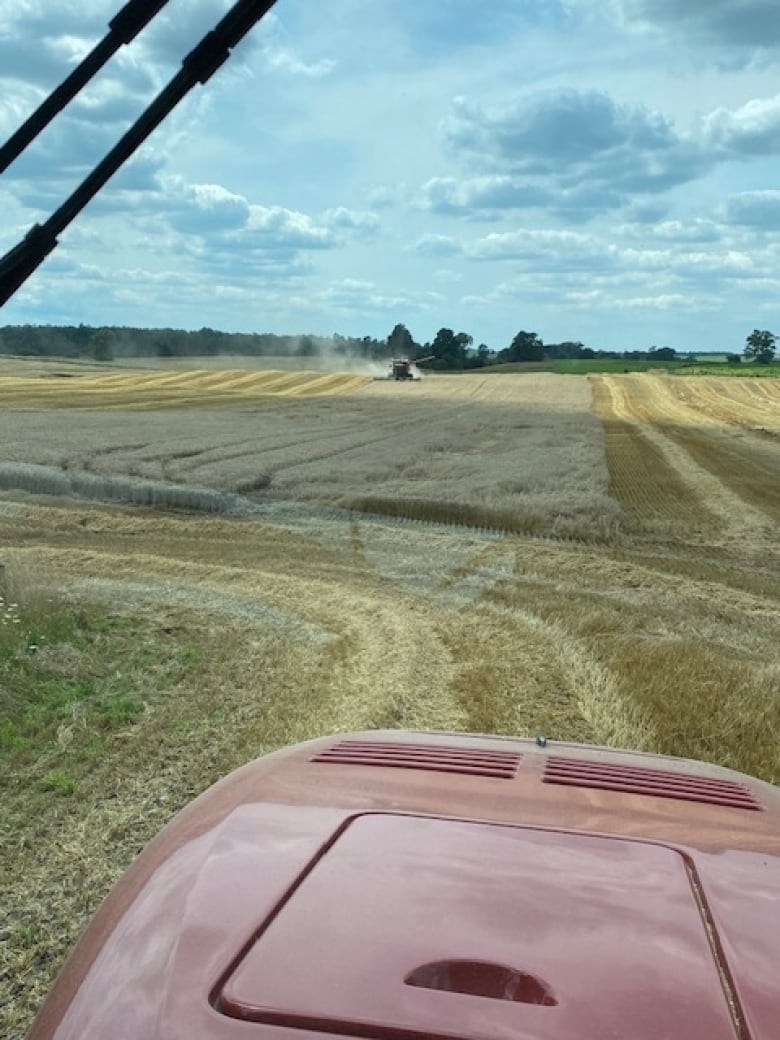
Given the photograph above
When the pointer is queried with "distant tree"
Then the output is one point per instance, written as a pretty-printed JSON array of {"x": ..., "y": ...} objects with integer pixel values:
[
  {"x": 206, "y": 341},
  {"x": 464, "y": 341},
  {"x": 100, "y": 345},
  {"x": 526, "y": 346},
  {"x": 450, "y": 349},
  {"x": 734, "y": 359},
  {"x": 401, "y": 343},
  {"x": 567, "y": 349},
  {"x": 662, "y": 354},
  {"x": 307, "y": 347},
  {"x": 444, "y": 348},
  {"x": 760, "y": 346},
  {"x": 484, "y": 356}
]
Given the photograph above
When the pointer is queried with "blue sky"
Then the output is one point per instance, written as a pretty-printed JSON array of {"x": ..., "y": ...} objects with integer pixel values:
[{"x": 608, "y": 172}]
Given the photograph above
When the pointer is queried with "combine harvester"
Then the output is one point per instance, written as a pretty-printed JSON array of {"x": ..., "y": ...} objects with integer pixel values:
[
  {"x": 405, "y": 369},
  {"x": 422, "y": 886}
]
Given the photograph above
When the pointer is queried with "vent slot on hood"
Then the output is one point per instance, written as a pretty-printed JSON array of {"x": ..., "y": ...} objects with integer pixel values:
[
  {"x": 609, "y": 776},
  {"x": 438, "y": 758}
]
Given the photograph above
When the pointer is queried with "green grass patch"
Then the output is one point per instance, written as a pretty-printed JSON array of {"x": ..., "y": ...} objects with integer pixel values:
[
  {"x": 712, "y": 365},
  {"x": 748, "y": 370},
  {"x": 71, "y": 679},
  {"x": 58, "y": 782},
  {"x": 581, "y": 366}
]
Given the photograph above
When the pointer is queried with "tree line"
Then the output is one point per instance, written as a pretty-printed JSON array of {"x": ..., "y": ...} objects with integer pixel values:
[{"x": 448, "y": 350}]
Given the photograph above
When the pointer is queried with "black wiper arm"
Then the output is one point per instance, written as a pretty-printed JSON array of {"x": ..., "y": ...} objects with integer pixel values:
[
  {"x": 200, "y": 64},
  {"x": 123, "y": 28}
]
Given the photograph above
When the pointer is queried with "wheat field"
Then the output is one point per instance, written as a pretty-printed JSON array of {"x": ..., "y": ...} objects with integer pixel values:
[{"x": 595, "y": 559}]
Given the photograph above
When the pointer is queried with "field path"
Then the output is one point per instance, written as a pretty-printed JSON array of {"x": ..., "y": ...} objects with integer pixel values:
[{"x": 682, "y": 465}]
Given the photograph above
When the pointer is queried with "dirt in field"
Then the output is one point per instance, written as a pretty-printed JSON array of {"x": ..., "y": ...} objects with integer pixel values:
[{"x": 654, "y": 623}]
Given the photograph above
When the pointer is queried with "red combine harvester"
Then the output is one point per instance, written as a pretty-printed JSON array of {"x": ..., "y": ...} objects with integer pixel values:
[
  {"x": 432, "y": 886},
  {"x": 406, "y": 368}
]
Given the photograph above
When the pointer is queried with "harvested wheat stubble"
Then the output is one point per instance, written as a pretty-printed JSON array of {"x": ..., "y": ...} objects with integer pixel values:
[
  {"x": 173, "y": 390},
  {"x": 710, "y": 479}
]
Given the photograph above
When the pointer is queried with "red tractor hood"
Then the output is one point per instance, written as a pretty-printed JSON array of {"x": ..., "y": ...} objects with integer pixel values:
[{"x": 431, "y": 886}]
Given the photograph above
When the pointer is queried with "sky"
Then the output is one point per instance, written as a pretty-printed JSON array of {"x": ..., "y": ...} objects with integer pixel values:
[{"x": 605, "y": 171}]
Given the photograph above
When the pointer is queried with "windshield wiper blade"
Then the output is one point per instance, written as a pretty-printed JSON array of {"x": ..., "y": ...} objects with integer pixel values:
[
  {"x": 123, "y": 27},
  {"x": 198, "y": 67}
]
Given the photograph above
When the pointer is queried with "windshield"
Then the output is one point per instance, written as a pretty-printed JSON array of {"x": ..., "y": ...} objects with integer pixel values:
[{"x": 416, "y": 373}]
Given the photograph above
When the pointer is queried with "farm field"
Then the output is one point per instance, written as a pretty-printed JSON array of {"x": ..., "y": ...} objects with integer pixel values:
[{"x": 593, "y": 558}]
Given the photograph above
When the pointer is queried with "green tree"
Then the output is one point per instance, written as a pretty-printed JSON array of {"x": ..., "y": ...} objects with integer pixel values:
[
  {"x": 401, "y": 342},
  {"x": 450, "y": 348},
  {"x": 464, "y": 341},
  {"x": 526, "y": 346},
  {"x": 484, "y": 356},
  {"x": 760, "y": 346},
  {"x": 662, "y": 354},
  {"x": 100, "y": 345}
]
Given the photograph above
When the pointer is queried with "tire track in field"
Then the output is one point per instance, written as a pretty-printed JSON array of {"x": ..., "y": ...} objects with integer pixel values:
[
  {"x": 729, "y": 402},
  {"x": 655, "y": 496},
  {"x": 743, "y": 469},
  {"x": 727, "y": 482},
  {"x": 372, "y": 663},
  {"x": 388, "y": 430}
]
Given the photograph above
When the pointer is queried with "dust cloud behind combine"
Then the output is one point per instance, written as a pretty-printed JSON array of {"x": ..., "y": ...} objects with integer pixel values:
[{"x": 594, "y": 559}]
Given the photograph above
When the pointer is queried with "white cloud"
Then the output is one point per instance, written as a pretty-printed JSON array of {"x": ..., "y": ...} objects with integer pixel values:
[
  {"x": 351, "y": 295},
  {"x": 343, "y": 219},
  {"x": 205, "y": 207},
  {"x": 662, "y": 302},
  {"x": 696, "y": 230},
  {"x": 279, "y": 227},
  {"x": 449, "y": 195},
  {"x": 598, "y": 298},
  {"x": 565, "y": 134},
  {"x": 753, "y": 129},
  {"x": 436, "y": 245},
  {"x": 574, "y": 152},
  {"x": 277, "y": 54},
  {"x": 285, "y": 61},
  {"x": 528, "y": 245}
]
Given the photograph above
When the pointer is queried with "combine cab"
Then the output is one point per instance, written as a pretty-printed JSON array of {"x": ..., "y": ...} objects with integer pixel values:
[{"x": 401, "y": 368}]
